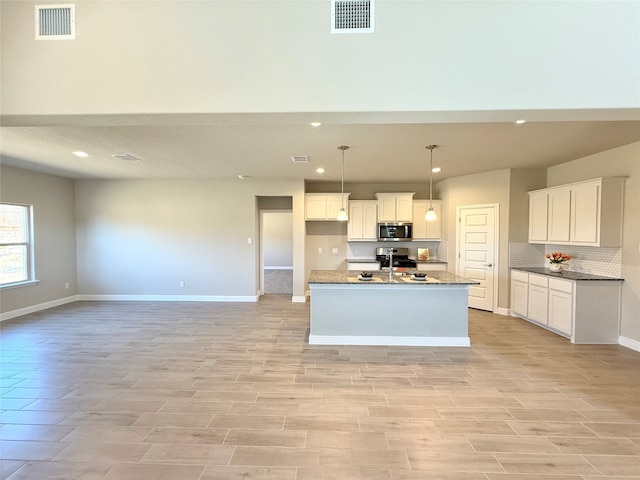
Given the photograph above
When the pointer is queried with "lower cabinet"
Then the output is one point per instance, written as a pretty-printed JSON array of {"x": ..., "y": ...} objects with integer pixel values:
[
  {"x": 432, "y": 267},
  {"x": 584, "y": 311},
  {"x": 363, "y": 266}
]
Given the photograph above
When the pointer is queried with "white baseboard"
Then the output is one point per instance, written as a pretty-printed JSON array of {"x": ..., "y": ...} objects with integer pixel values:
[
  {"x": 170, "y": 298},
  {"x": 395, "y": 341},
  {"x": 298, "y": 299},
  {"x": 629, "y": 343},
  {"x": 37, "y": 308},
  {"x": 502, "y": 311}
]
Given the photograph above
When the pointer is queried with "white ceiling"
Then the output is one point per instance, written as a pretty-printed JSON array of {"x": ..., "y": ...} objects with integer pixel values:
[{"x": 384, "y": 148}]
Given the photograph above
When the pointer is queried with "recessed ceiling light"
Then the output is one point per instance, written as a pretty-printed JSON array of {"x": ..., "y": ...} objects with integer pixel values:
[
  {"x": 436, "y": 169},
  {"x": 320, "y": 170},
  {"x": 315, "y": 124},
  {"x": 520, "y": 121},
  {"x": 80, "y": 154}
]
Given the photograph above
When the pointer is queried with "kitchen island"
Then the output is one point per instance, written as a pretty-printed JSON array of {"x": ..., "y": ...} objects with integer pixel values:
[{"x": 346, "y": 310}]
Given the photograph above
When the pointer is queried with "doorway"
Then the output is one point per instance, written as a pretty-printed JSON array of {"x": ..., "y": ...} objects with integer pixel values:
[
  {"x": 477, "y": 252},
  {"x": 276, "y": 245}
]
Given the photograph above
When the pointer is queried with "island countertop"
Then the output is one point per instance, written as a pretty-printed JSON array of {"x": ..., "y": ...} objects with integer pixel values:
[{"x": 350, "y": 277}]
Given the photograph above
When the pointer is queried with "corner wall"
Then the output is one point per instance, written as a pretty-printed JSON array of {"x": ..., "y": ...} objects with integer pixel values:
[
  {"x": 621, "y": 161},
  {"x": 52, "y": 198}
]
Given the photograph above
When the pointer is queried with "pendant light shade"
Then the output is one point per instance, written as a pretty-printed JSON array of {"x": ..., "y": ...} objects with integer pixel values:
[
  {"x": 431, "y": 214},
  {"x": 342, "y": 214}
]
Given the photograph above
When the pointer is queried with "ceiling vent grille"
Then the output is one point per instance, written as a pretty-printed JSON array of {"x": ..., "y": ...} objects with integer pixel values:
[
  {"x": 352, "y": 16},
  {"x": 126, "y": 157},
  {"x": 300, "y": 158},
  {"x": 55, "y": 22}
]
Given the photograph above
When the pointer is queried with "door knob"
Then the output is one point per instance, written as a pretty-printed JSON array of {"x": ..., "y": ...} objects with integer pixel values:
[{"x": 488, "y": 264}]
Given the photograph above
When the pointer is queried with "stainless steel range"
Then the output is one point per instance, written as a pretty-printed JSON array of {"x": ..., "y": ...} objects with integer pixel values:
[{"x": 400, "y": 257}]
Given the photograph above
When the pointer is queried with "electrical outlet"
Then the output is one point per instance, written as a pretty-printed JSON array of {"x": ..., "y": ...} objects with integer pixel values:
[
  {"x": 181, "y": 283},
  {"x": 320, "y": 250},
  {"x": 67, "y": 286},
  {"x": 334, "y": 250}
]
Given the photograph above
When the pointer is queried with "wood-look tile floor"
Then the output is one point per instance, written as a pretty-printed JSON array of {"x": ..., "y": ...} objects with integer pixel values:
[{"x": 220, "y": 391}]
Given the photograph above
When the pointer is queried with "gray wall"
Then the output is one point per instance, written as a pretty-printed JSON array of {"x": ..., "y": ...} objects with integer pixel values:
[
  {"x": 142, "y": 237},
  {"x": 622, "y": 161},
  {"x": 478, "y": 189},
  {"x": 266, "y": 55},
  {"x": 54, "y": 236},
  {"x": 522, "y": 180}
]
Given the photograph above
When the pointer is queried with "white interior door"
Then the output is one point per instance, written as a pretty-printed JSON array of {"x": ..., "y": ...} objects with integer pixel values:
[{"x": 477, "y": 240}]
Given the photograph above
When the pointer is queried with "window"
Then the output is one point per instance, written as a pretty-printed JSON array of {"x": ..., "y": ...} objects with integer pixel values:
[{"x": 16, "y": 245}]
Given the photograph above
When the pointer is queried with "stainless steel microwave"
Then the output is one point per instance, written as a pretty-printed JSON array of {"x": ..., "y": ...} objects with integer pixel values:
[{"x": 394, "y": 232}]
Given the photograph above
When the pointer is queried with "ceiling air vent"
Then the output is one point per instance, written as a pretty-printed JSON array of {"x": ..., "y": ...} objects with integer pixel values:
[
  {"x": 126, "y": 157},
  {"x": 56, "y": 22},
  {"x": 300, "y": 158},
  {"x": 352, "y": 16}
]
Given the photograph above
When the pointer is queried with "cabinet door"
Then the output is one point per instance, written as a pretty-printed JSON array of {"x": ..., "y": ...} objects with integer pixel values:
[
  {"x": 419, "y": 223},
  {"x": 315, "y": 207},
  {"x": 355, "y": 226},
  {"x": 370, "y": 221},
  {"x": 334, "y": 204},
  {"x": 585, "y": 208},
  {"x": 559, "y": 213},
  {"x": 519, "y": 297},
  {"x": 561, "y": 311},
  {"x": 537, "y": 303},
  {"x": 538, "y": 216},
  {"x": 387, "y": 209},
  {"x": 404, "y": 208},
  {"x": 434, "y": 228}
]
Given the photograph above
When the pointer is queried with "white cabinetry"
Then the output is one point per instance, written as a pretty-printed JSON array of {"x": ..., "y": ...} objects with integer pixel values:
[
  {"x": 422, "y": 229},
  {"x": 395, "y": 207},
  {"x": 323, "y": 206},
  {"x": 537, "y": 301},
  {"x": 363, "y": 266},
  {"x": 586, "y": 311},
  {"x": 519, "y": 292},
  {"x": 584, "y": 213},
  {"x": 432, "y": 267},
  {"x": 363, "y": 220}
]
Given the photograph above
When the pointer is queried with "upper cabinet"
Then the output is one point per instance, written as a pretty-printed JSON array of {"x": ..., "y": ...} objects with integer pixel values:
[
  {"x": 395, "y": 207},
  {"x": 363, "y": 220},
  {"x": 422, "y": 229},
  {"x": 584, "y": 213},
  {"x": 324, "y": 206}
]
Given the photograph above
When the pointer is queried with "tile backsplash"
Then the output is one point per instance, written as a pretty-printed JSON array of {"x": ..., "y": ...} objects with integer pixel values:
[
  {"x": 359, "y": 250},
  {"x": 605, "y": 261}
]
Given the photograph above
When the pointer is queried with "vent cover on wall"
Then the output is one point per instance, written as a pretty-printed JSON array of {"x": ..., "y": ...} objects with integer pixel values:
[
  {"x": 300, "y": 158},
  {"x": 126, "y": 157},
  {"x": 349, "y": 16},
  {"x": 56, "y": 22}
]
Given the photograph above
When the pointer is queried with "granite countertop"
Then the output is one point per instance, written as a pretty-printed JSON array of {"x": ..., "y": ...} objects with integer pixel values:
[
  {"x": 566, "y": 274},
  {"x": 348, "y": 277},
  {"x": 431, "y": 260}
]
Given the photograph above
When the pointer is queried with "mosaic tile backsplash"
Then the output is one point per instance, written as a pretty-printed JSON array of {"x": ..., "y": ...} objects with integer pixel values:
[{"x": 605, "y": 261}]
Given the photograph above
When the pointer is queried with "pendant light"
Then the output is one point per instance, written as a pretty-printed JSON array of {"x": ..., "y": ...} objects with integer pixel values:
[
  {"x": 431, "y": 214},
  {"x": 342, "y": 214}
]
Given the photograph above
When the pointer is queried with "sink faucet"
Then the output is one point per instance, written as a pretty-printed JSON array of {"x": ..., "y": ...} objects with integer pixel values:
[{"x": 390, "y": 257}]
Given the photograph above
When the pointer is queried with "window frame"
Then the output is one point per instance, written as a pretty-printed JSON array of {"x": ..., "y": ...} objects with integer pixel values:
[{"x": 29, "y": 247}]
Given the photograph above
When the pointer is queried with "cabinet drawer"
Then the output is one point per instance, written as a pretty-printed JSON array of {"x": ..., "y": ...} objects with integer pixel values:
[
  {"x": 540, "y": 280},
  {"x": 561, "y": 285},
  {"x": 520, "y": 276}
]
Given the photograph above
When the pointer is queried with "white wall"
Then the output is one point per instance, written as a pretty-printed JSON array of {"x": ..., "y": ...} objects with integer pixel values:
[
  {"x": 54, "y": 236},
  {"x": 622, "y": 161},
  {"x": 142, "y": 237},
  {"x": 279, "y": 56},
  {"x": 277, "y": 238}
]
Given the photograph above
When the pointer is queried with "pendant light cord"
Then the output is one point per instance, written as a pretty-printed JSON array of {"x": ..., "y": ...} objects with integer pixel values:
[
  {"x": 431, "y": 180},
  {"x": 342, "y": 187}
]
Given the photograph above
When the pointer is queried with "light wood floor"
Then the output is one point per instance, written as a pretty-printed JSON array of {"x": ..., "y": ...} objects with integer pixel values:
[{"x": 188, "y": 391}]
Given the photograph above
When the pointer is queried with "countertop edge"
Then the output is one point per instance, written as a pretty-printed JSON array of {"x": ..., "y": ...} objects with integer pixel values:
[{"x": 568, "y": 274}]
